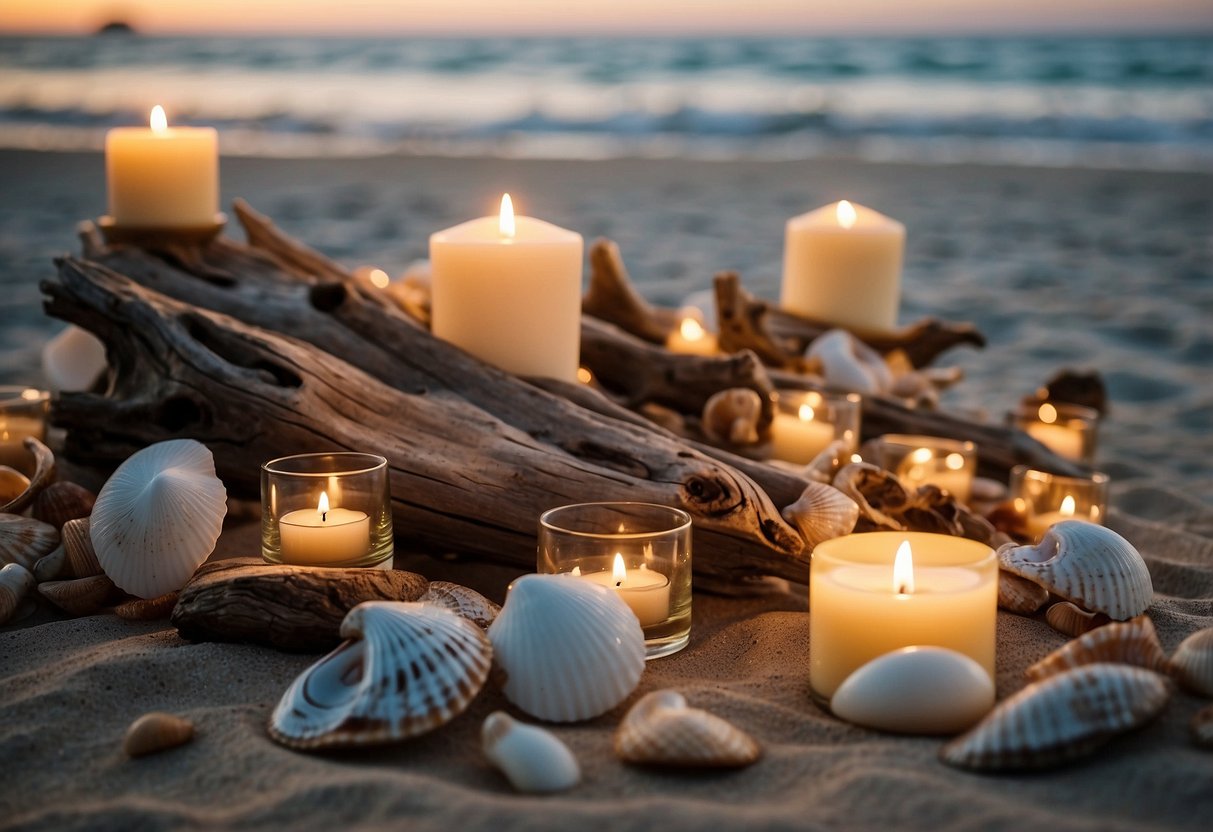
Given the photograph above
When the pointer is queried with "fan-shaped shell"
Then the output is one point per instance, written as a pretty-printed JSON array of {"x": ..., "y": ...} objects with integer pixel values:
[
  {"x": 464, "y": 602},
  {"x": 661, "y": 729},
  {"x": 1132, "y": 642},
  {"x": 822, "y": 513},
  {"x": 15, "y": 583},
  {"x": 78, "y": 596},
  {"x": 63, "y": 501},
  {"x": 407, "y": 668},
  {"x": 849, "y": 364},
  {"x": 1202, "y": 727},
  {"x": 569, "y": 649},
  {"x": 533, "y": 759},
  {"x": 1088, "y": 564},
  {"x": 1072, "y": 620},
  {"x": 1020, "y": 595},
  {"x": 1193, "y": 661},
  {"x": 78, "y": 544},
  {"x": 1061, "y": 718},
  {"x": 25, "y": 540},
  {"x": 732, "y": 416},
  {"x": 158, "y": 517},
  {"x": 155, "y": 732}
]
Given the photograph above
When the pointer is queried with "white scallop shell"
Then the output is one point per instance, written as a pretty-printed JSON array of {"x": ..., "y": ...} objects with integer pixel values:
[
  {"x": 822, "y": 513},
  {"x": 570, "y": 649},
  {"x": 533, "y": 759},
  {"x": 1088, "y": 564},
  {"x": 916, "y": 690},
  {"x": 661, "y": 729},
  {"x": 158, "y": 517},
  {"x": 1132, "y": 642},
  {"x": 849, "y": 364},
  {"x": 407, "y": 668},
  {"x": 1193, "y": 661}
]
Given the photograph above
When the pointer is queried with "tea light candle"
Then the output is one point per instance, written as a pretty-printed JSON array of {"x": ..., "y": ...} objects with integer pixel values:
[
  {"x": 1064, "y": 433},
  {"x": 801, "y": 436},
  {"x": 644, "y": 590},
  {"x": 1038, "y": 524},
  {"x": 842, "y": 265},
  {"x": 929, "y": 460},
  {"x": 692, "y": 339},
  {"x": 324, "y": 536},
  {"x": 162, "y": 177},
  {"x": 508, "y": 290},
  {"x": 873, "y": 593},
  {"x": 1043, "y": 499},
  {"x": 22, "y": 414}
]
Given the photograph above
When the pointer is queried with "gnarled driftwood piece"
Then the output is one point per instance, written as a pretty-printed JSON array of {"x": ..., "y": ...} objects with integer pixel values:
[{"x": 612, "y": 297}]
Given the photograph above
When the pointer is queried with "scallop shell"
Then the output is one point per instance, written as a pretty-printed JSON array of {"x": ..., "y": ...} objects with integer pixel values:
[
  {"x": 1020, "y": 595},
  {"x": 63, "y": 501},
  {"x": 1202, "y": 727},
  {"x": 148, "y": 609},
  {"x": 1061, "y": 718},
  {"x": 158, "y": 517},
  {"x": 78, "y": 543},
  {"x": 15, "y": 583},
  {"x": 533, "y": 759},
  {"x": 406, "y": 669},
  {"x": 849, "y": 364},
  {"x": 1072, "y": 620},
  {"x": 569, "y": 649},
  {"x": 464, "y": 602},
  {"x": 732, "y": 416},
  {"x": 822, "y": 513},
  {"x": 25, "y": 540},
  {"x": 1132, "y": 642},
  {"x": 1193, "y": 661},
  {"x": 1088, "y": 564},
  {"x": 661, "y": 729},
  {"x": 79, "y": 596},
  {"x": 155, "y": 732},
  {"x": 44, "y": 475}
]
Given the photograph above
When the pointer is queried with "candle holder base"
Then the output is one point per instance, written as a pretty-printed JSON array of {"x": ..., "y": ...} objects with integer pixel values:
[
  {"x": 656, "y": 648},
  {"x": 146, "y": 236}
]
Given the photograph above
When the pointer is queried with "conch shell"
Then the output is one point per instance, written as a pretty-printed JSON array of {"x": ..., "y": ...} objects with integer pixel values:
[
  {"x": 530, "y": 757},
  {"x": 25, "y": 540},
  {"x": 155, "y": 732},
  {"x": 822, "y": 513},
  {"x": 661, "y": 729},
  {"x": 732, "y": 416},
  {"x": 1132, "y": 642},
  {"x": 1193, "y": 661}
]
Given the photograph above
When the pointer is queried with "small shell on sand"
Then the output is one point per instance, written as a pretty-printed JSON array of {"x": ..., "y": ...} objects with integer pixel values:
[
  {"x": 1068, "y": 618},
  {"x": 732, "y": 416},
  {"x": 155, "y": 732},
  {"x": 63, "y": 501},
  {"x": 1193, "y": 661},
  {"x": 1019, "y": 595},
  {"x": 662, "y": 730},
  {"x": 533, "y": 759},
  {"x": 78, "y": 596},
  {"x": 148, "y": 609},
  {"x": 1132, "y": 642},
  {"x": 822, "y": 513},
  {"x": 81, "y": 556}
]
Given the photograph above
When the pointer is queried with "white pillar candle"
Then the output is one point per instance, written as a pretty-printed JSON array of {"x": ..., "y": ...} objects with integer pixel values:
[
  {"x": 162, "y": 177},
  {"x": 324, "y": 536},
  {"x": 692, "y": 339},
  {"x": 842, "y": 265},
  {"x": 644, "y": 590},
  {"x": 799, "y": 437},
  {"x": 508, "y": 290}
]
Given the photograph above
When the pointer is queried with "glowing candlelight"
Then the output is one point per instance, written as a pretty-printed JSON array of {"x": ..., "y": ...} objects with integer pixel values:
[{"x": 903, "y": 570}]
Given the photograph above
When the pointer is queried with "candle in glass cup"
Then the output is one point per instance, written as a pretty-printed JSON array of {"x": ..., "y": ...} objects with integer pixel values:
[
  {"x": 645, "y": 591},
  {"x": 929, "y": 460},
  {"x": 1043, "y": 499},
  {"x": 22, "y": 415},
  {"x": 801, "y": 436},
  {"x": 324, "y": 535}
]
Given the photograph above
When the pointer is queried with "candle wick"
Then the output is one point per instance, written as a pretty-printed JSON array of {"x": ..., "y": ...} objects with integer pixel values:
[
  {"x": 324, "y": 516},
  {"x": 618, "y": 584}
]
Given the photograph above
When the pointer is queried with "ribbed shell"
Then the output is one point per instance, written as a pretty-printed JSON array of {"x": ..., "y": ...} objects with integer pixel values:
[
  {"x": 1088, "y": 564},
  {"x": 822, "y": 513},
  {"x": 661, "y": 729},
  {"x": 81, "y": 556},
  {"x": 63, "y": 501},
  {"x": 25, "y": 540},
  {"x": 78, "y": 596},
  {"x": 1132, "y": 642},
  {"x": 1061, "y": 718},
  {"x": 408, "y": 668},
  {"x": 464, "y": 602},
  {"x": 569, "y": 649},
  {"x": 1019, "y": 595},
  {"x": 1193, "y": 661},
  {"x": 1072, "y": 620},
  {"x": 158, "y": 517}
]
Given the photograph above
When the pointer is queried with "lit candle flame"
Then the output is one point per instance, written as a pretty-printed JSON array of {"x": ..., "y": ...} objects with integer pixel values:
[
  {"x": 1067, "y": 506},
  {"x": 856, "y": 458},
  {"x": 921, "y": 456},
  {"x": 1047, "y": 413},
  {"x": 322, "y": 506},
  {"x": 619, "y": 572},
  {"x": 690, "y": 329},
  {"x": 379, "y": 278},
  {"x": 846, "y": 214},
  {"x": 903, "y": 570},
  {"x": 806, "y": 413},
  {"x": 506, "y": 223},
  {"x": 576, "y": 573},
  {"x": 30, "y": 394},
  {"x": 159, "y": 120},
  {"x": 954, "y": 462},
  {"x": 584, "y": 375}
]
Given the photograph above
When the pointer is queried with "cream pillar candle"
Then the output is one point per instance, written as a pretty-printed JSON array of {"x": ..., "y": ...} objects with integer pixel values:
[
  {"x": 645, "y": 591},
  {"x": 508, "y": 290},
  {"x": 842, "y": 265},
  {"x": 324, "y": 536},
  {"x": 162, "y": 177},
  {"x": 873, "y": 593}
]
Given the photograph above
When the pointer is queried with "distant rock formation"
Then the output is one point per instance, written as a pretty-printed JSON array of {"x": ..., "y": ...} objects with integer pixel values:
[{"x": 116, "y": 27}]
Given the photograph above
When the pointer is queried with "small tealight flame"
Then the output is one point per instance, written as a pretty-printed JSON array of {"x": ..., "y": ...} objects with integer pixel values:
[
  {"x": 30, "y": 394},
  {"x": 506, "y": 223},
  {"x": 903, "y": 570},
  {"x": 954, "y": 462},
  {"x": 806, "y": 413},
  {"x": 846, "y": 214},
  {"x": 379, "y": 278},
  {"x": 691, "y": 329},
  {"x": 322, "y": 506},
  {"x": 1067, "y": 506},
  {"x": 922, "y": 456},
  {"x": 584, "y": 375},
  {"x": 159, "y": 120},
  {"x": 856, "y": 458},
  {"x": 619, "y": 572},
  {"x": 1047, "y": 413},
  {"x": 576, "y": 573}
]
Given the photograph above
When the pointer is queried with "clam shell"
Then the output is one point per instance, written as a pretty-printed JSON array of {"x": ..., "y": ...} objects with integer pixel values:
[
  {"x": 532, "y": 758},
  {"x": 79, "y": 596},
  {"x": 1020, "y": 595},
  {"x": 1193, "y": 661},
  {"x": 661, "y": 729},
  {"x": 464, "y": 602},
  {"x": 406, "y": 669},
  {"x": 15, "y": 583},
  {"x": 158, "y": 517},
  {"x": 44, "y": 475},
  {"x": 156, "y": 732},
  {"x": 1132, "y": 642},
  {"x": 148, "y": 609},
  {"x": 1202, "y": 727},
  {"x": 569, "y": 649},
  {"x": 1088, "y": 564},
  {"x": 78, "y": 544},
  {"x": 732, "y": 416},
  {"x": 849, "y": 364},
  {"x": 25, "y": 540},
  {"x": 822, "y": 513},
  {"x": 1072, "y": 620},
  {"x": 1061, "y": 718},
  {"x": 63, "y": 501}
]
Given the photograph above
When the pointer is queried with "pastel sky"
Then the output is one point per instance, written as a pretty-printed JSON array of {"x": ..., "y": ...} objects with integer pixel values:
[{"x": 618, "y": 16}]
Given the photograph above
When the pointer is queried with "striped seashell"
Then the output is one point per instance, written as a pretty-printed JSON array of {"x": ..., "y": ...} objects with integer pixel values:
[
  {"x": 1088, "y": 564},
  {"x": 1072, "y": 620},
  {"x": 1193, "y": 661},
  {"x": 81, "y": 556},
  {"x": 822, "y": 513},
  {"x": 148, "y": 609},
  {"x": 25, "y": 540},
  {"x": 1061, "y": 718},
  {"x": 1019, "y": 595},
  {"x": 661, "y": 729},
  {"x": 1202, "y": 727},
  {"x": 15, "y": 583},
  {"x": 464, "y": 602},
  {"x": 406, "y": 669},
  {"x": 533, "y": 759},
  {"x": 63, "y": 501},
  {"x": 78, "y": 596},
  {"x": 1132, "y": 642},
  {"x": 155, "y": 732}
]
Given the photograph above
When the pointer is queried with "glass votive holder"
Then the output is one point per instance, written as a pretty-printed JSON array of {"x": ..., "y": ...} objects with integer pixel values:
[
  {"x": 23, "y": 413},
  {"x": 949, "y": 464},
  {"x": 1068, "y": 430},
  {"x": 640, "y": 550},
  {"x": 806, "y": 423},
  {"x": 1043, "y": 499},
  {"x": 328, "y": 509}
]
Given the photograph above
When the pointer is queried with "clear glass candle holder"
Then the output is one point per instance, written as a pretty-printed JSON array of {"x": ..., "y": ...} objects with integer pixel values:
[
  {"x": 1068, "y": 430},
  {"x": 23, "y": 413},
  {"x": 806, "y": 423},
  {"x": 1043, "y": 499},
  {"x": 640, "y": 550},
  {"x": 949, "y": 464},
  {"x": 331, "y": 509}
]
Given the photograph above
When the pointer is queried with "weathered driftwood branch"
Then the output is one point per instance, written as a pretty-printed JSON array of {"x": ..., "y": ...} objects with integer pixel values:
[{"x": 612, "y": 297}]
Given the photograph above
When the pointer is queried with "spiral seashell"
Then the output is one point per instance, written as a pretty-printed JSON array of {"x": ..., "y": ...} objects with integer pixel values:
[
  {"x": 878, "y": 493},
  {"x": 78, "y": 544},
  {"x": 44, "y": 475},
  {"x": 662, "y": 730},
  {"x": 1061, "y": 718},
  {"x": 732, "y": 416},
  {"x": 464, "y": 602},
  {"x": 849, "y": 364},
  {"x": 158, "y": 517},
  {"x": 15, "y": 583},
  {"x": 155, "y": 732},
  {"x": 63, "y": 501},
  {"x": 1193, "y": 661},
  {"x": 1020, "y": 595},
  {"x": 1132, "y": 642},
  {"x": 822, "y": 513},
  {"x": 1088, "y": 564},
  {"x": 406, "y": 669},
  {"x": 530, "y": 757},
  {"x": 25, "y": 540},
  {"x": 1072, "y": 620},
  {"x": 1202, "y": 727},
  {"x": 78, "y": 596},
  {"x": 569, "y": 649},
  {"x": 148, "y": 609}
]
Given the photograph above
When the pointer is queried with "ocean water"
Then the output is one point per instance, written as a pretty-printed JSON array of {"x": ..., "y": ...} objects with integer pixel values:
[{"x": 1058, "y": 101}]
